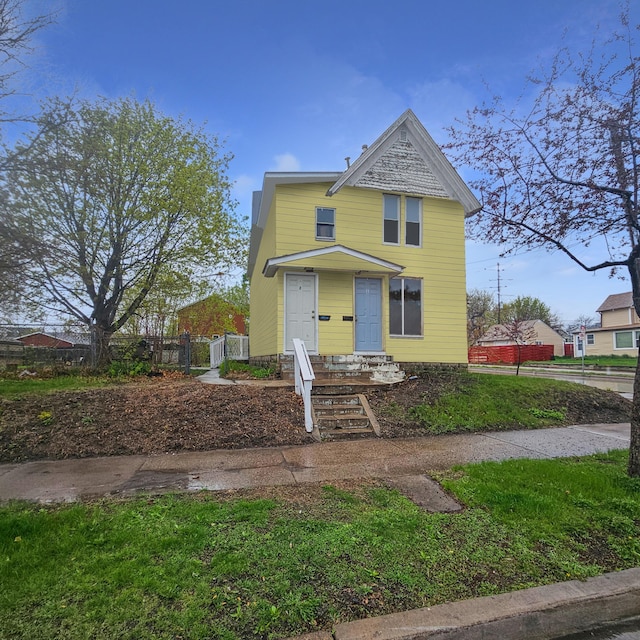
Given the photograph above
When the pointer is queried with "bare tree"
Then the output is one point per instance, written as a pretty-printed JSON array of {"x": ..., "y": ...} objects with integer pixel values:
[
  {"x": 16, "y": 33},
  {"x": 565, "y": 173},
  {"x": 481, "y": 314},
  {"x": 520, "y": 332}
]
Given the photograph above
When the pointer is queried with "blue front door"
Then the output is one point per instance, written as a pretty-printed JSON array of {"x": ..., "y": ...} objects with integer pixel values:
[{"x": 368, "y": 314}]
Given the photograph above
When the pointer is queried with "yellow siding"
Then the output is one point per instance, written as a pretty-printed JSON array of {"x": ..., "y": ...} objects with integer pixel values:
[
  {"x": 335, "y": 299},
  {"x": 604, "y": 344},
  {"x": 547, "y": 335},
  {"x": 440, "y": 263},
  {"x": 619, "y": 317}
]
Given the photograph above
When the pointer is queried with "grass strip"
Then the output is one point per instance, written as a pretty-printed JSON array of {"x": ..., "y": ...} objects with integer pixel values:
[
  {"x": 293, "y": 560},
  {"x": 482, "y": 401}
]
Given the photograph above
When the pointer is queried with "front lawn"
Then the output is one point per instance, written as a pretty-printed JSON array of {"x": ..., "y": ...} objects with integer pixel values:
[
  {"x": 454, "y": 402},
  {"x": 597, "y": 362},
  {"x": 288, "y": 560}
]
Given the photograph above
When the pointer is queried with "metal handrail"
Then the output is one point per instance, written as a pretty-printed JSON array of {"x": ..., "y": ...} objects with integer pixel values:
[{"x": 304, "y": 376}]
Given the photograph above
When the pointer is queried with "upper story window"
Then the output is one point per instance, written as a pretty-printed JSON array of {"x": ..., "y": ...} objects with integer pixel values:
[
  {"x": 413, "y": 222},
  {"x": 393, "y": 206},
  {"x": 391, "y": 219},
  {"x": 325, "y": 223}
]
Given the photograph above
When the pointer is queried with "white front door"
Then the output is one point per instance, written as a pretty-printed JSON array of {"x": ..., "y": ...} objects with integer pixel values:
[{"x": 300, "y": 310}]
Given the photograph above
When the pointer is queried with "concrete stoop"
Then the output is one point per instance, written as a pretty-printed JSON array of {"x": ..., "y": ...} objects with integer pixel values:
[
  {"x": 349, "y": 367},
  {"x": 540, "y": 613}
]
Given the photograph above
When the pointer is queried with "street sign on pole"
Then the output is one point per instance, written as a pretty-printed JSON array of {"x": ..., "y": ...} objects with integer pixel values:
[{"x": 583, "y": 337}]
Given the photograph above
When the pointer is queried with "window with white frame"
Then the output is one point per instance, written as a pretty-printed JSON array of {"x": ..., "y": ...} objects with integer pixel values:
[
  {"x": 626, "y": 339},
  {"x": 591, "y": 339},
  {"x": 325, "y": 223},
  {"x": 391, "y": 219},
  {"x": 413, "y": 222},
  {"x": 405, "y": 306}
]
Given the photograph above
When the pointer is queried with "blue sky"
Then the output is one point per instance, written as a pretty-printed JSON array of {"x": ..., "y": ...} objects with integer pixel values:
[{"x": 299, "y": 85}]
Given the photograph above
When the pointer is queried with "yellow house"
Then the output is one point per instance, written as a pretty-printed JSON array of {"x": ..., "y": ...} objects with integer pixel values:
[
  {"x": 618, "y": 333},
  {"x": 364, "y": 262}
]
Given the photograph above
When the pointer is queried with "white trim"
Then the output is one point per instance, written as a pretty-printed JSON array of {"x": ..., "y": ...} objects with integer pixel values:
[
  {"x": 429, "y": 151},
  {"x": 273, "y": 264},
  {"x": 422, "y": 308},
  {"x": 333, "y": 225},
  {"x": 284, "y": 327},
  {"x": 635, "y": 334},
  {"x": 399, "y": 219},
  {"x": 420, "y": 222}
]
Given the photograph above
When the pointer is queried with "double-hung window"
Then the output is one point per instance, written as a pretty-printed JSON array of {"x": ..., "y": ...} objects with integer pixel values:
[
  {"x": 391, "y": 219},
  {"x": 413, "y": 222},
  {"x": 405, "y": 306},
  {"x": 325, "y": 223}
]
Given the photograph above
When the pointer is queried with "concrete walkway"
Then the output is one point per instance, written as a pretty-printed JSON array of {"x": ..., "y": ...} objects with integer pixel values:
[
  {"x": 543, "y": 612},
  {"x": 70, "y": 480}
]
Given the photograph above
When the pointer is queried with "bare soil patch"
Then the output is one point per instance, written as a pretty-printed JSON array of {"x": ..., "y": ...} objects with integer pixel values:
[
  {"x": 164, "y": 415},
  {"x": 154, "y": 416}
]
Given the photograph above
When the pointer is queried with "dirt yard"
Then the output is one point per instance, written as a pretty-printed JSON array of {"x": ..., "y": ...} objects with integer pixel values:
[{"x": 177, "y": 414}]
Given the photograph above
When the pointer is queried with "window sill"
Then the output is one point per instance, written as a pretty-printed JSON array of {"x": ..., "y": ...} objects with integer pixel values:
[
  {"x": 393, "y": 335},
  {"x": 326, "y": 239}
]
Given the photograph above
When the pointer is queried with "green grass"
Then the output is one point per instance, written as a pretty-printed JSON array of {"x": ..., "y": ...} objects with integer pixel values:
[
  {"x": 233, "y": 366},
  {"x": 206, "y": 566},
  {"x": 17, "y": 386},
  {"x": 497, "y": 402},
  {"x": 625, "y": 362}
]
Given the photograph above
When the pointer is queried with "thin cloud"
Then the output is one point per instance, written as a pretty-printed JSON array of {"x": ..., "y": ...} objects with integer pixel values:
[{"x": 286, "y": 162}]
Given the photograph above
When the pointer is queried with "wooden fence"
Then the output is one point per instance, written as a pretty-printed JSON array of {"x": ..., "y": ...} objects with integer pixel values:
[{"x": 509, "y": 354}]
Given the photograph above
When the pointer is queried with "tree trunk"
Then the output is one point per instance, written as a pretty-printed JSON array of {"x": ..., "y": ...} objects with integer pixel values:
[
  {"x": 100, "y": 344},
  {"x": 634, "y": 445}
]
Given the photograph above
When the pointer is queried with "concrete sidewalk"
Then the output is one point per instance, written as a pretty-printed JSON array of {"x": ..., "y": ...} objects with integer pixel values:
[
  {"x": 70, "y": 480},
  {"x": 543, "y": 612}
]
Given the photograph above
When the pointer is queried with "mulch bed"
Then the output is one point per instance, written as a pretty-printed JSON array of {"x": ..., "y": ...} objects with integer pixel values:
[{"x": 163, "y": 415}]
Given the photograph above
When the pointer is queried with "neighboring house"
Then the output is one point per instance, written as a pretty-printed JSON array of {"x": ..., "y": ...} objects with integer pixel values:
[
  {"x": 211, "y": 316},
  {"x": 366, "y": 261},
  {"x": 618, "y": 333},
  {"x": 57, "y": 341},
  {"x": 534, "y": 332}
]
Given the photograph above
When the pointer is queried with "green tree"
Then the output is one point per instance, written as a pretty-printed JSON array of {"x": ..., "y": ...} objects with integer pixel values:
[
  {"x": 529, "y": 308},
  {"x": 564, "y": 173},
  {"x": 106, "y": 199}
]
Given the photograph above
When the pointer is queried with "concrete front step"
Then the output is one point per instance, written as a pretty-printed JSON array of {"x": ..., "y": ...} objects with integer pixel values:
[{"x": 351, "y": 366}]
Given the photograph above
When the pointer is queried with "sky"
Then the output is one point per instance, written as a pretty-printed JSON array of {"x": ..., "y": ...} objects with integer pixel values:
[{"x": 294, "y": 85}]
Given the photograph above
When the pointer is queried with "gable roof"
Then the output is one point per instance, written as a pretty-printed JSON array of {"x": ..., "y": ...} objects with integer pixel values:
[
  {"x": 406, "y": 159},
  {"x": 616, "y": 301},
  {"x": 69, "y": 339},
  {"x": 336, "y": 257},
  {"x": 502, "y": 331}
]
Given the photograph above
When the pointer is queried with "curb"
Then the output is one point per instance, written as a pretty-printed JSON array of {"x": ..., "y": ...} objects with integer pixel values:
[{"x": 540, "y": 613}]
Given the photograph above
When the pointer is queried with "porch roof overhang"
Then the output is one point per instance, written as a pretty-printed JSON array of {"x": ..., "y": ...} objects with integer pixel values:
[{"x": 333, "y": 258}]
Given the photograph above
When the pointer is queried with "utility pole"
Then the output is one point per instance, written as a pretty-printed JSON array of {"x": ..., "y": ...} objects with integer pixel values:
[{"x": 499, "y": 287}]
